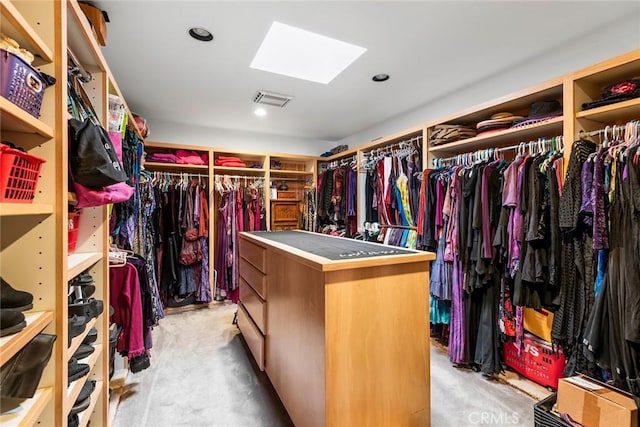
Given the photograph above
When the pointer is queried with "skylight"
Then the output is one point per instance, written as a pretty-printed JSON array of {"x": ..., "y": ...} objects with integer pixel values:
[{"x": 293, "y": 52}]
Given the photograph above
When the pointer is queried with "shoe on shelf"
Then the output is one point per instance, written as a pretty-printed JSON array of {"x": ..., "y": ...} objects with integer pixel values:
[
  {"x": 11, "y": 322},
  {"x": 10, "y": 404},
  {"x": 82, "y": 279},
  {"x": 77, "y": 325},
  {"x": 20, "y": 376},
  {"x": 80, "y": 292},
  {"x": 77, "y": 370},
  {"x": 73, "y": 420},
  {"x": 13, "y": 298},
  {"x": 85, "y": 350},
  {"x": 91, "y": 337},
  {"x": 84, "y": 398},
  {"x": 90, "y": 308}
]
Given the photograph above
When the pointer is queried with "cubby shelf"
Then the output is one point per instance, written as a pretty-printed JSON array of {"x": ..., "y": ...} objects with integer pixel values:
[
  {"x": 74, "y": 388},
  {"x": 609, "y": 113},
  {"x": 16, "y": 209},
  {"x": 85, "y": 415},
  {"x": 238, "y": 171},
  {"x": 15, "y": 26},
  {"x": 158, "y": 166},
  {"x": 76, "y": 341},
  {"x": 78, "y": 262},
  {"x": 29, "y": 410},
  {"x": 523, "y": 134},
  {"x": 276, "y": 172},
  {"x": 15, "y": 119},
  {"x": 11, "y": 344}
]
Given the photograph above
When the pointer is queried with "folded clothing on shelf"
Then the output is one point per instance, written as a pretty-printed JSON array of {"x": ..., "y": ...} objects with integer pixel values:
[
  {"x": 162, "y": 158},
  {"x": 620, "y": 91},
  {"x": 230, "y": 161},
  {"x": 189, "y": 157},
  {"x": 442, "y": 134}
]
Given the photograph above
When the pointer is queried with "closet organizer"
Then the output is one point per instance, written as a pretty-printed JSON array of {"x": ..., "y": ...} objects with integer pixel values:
[
  {"x": 548, "y": 233},
  {"x": 243, "y": 193},
  {"x": 38, "y": 231}
]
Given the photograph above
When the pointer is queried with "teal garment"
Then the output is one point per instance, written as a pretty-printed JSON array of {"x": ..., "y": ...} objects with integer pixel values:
[{"x": 439, "y": 310}]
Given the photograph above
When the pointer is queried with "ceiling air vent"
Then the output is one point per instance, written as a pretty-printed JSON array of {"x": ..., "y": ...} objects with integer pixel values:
[{"x": 270, "y": 98}]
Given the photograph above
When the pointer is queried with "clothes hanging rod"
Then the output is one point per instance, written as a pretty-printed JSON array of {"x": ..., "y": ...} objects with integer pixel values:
[
  {"x": 255, "y": 178},
  {"x": 520, "y": 146},
  {"x": 606, "y": 129},
  {"x": 394, "y": 145},
  {"x": 404, "y": 227},
  {"x": 178, "y": 174}
]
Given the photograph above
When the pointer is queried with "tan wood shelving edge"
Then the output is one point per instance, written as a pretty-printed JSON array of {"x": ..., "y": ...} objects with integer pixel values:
[
  {"x": 608, "y": 113},
  {"x": 523, "y": 134},
  {"x": 17, "y": 209},
  {"x": 78, "y": 262},
  {"x": 16, "y": 27},
  {"x": 11, "y": 344},
  {"x": 159, "y": 166},
  {"x": 30, "y": 409},
  {"x": 14, "y": 118}
]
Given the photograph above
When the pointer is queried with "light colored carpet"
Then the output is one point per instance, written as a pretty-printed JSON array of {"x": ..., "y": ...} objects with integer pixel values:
[{"x": 201, "y": 374}]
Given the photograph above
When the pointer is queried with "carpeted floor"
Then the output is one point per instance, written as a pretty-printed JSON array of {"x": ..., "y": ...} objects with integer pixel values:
[{"x": 202, "y": 375}]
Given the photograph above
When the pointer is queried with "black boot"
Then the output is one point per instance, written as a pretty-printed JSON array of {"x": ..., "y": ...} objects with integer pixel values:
[
  {"x": 13, "y": 298},
  {"x": 11, "y": 322},
  {"x": 77, "y": 370},
  {"x": 19, "y": 377}
]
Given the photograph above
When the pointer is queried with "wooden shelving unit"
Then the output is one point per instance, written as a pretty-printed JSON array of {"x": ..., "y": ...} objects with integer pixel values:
[{"x": 624, "y": 110}]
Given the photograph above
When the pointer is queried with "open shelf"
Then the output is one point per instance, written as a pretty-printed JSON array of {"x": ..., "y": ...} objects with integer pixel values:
[
  {"x": 76, "y": 341},
  {"x": 15, "y": 26},
  {"x": 523, "y": 134},
  {"x": 81, "y": 40},
  {"x": 29, "y": 411},
  {"x": 85, "y": 415},
  {"x": 237, "y": 171},
  {"x": 16, "y": 209},
  {"x": 11, "y": 344},
  {"x": 280, "y": 172},
  {"x": 74, "y": 388},
  {"x": 174, "y": 166},
  {"x": 624, "y": 110},
  {"x": 14, "y": 118},
  {"x": 78, "y": 262}
]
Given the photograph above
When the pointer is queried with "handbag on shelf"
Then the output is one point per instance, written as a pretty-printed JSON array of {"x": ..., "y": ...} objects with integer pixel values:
[{"x": 92, "y": 157}]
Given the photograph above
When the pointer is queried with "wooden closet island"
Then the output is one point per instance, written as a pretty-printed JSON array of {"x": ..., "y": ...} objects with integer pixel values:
[{"x": 341, "y": 327}]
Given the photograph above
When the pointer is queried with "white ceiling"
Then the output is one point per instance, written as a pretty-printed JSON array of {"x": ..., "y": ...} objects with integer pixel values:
[{"x": 429, "y": 49}]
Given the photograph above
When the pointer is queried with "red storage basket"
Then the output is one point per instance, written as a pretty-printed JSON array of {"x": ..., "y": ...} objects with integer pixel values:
[
  {"x": 19, "y": 174},
  {"x": 537, "y": 361},
  {"x": 74, "y": 225}
]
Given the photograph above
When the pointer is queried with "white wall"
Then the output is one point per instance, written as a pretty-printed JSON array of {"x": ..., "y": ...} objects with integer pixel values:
[
  {"x": 180, "y": 133},
  {"x": 599, "y": 45}
]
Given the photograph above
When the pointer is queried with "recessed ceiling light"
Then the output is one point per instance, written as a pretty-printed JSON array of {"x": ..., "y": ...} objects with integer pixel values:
[
  {"x": 298, "y": 53},
  {"x": 380, "y": 77},
  {"x": 260, "y": 112},
  {"x": 201, "y": 34}
]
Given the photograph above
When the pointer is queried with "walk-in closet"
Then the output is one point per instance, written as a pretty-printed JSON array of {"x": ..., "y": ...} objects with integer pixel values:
[{"x": 443, "y": 230}]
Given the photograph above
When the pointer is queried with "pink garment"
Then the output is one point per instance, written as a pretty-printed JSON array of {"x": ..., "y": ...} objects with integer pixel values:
[
  {"x": 189, "y": 157},
  {"x": 116, "y": 140},
  {"x": 126, "y": 301}
]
